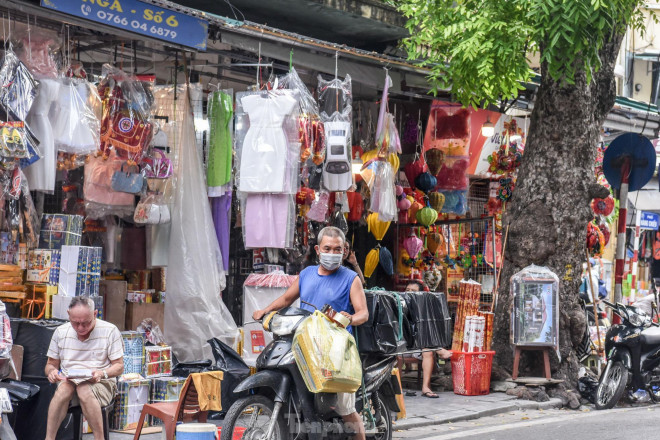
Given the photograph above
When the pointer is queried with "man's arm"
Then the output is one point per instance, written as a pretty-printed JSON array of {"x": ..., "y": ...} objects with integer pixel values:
[
  {"x": 359, "y": 302},
  {"x": 288, "y": 298},
  {"x": 115, "y": 369},
  {"x": 52, "y": 370}
]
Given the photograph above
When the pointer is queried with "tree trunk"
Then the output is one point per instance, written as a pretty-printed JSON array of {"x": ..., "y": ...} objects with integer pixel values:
[{"x": 549, "y": 211}]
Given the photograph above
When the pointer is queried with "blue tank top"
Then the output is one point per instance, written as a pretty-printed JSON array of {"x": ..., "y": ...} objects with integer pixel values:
[{"x": 333, "y": 289}]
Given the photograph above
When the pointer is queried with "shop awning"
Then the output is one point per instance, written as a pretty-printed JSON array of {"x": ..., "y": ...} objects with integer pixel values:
[{"x": 648, "y": 198}]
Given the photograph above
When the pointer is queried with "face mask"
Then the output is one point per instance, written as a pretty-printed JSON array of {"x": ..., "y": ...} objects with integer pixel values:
[{"x": 330, "y": 261}]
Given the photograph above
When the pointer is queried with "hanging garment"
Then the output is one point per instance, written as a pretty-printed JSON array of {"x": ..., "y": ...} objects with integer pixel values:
[
  {"x": 266, "y": 220},
  {"x": 75, "y": 126},
  {"x": 194, "y": 309},
  {"x": 221, "y": 210},
  {"x": 41, "y": 174},
  {"x": 220, "y": 114},
  {"x": 265, "y": 148}
]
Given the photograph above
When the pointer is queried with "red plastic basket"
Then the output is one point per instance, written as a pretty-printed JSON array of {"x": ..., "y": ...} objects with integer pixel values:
[
  {"x": 471, "y": 372},
  {"x": 238, "y": 432}
]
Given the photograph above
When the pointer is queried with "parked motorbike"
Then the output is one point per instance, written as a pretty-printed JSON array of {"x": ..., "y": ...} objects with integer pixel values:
[
  {"x": 280, "y": 406},
  {"x": 633, "y": 356}
]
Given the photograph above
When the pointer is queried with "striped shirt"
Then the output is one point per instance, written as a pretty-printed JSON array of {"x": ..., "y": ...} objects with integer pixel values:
[{"x": 103, "y": 345}]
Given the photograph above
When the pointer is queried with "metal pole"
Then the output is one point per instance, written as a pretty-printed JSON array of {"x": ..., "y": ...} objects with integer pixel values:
[
  {"x": 621, "y": 236},
  {"x": 635, "y": 258},
  {"x": 594, "y": 296}
]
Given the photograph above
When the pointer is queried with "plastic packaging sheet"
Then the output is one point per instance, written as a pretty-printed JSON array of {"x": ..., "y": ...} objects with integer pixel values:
[
  {"x": 535, "y": 317},
  {"x": 327, "y": 356},
  {"x": 383, "y": 193},
  {"x": 267, "y": 141},
  {"x": 259, "y": 290},
  {"x": 382, "y": 333},
  {"x": 31, "y": 220},
  {"x": 220, "y": 150},
  {"x": 311, "y": 131},
  {"x": 194, "y": 310},
  {"x": 269, "y": 220},
  {"x": 6, "y": 340},
  {"x": 74, "y": 117},
  {"x": 335, "y": 99},
  {"x": 127, "y": 105},
  {"x": 38, "y": 50},
  {"x": 100, "y": 199},
  {"x": 429, "y": 320}
]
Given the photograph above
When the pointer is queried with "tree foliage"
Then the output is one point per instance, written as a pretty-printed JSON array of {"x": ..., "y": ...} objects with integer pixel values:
[{"x": 479, "y": 48}]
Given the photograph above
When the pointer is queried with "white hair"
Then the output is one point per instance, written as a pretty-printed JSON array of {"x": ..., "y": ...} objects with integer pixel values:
[{"x": 331, "y": 231}]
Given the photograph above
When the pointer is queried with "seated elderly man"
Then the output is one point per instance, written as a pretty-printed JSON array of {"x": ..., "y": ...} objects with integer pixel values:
[{"x": 93, "y": 346}]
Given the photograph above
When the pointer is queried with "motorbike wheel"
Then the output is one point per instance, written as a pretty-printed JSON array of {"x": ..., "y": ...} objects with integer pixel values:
[
  {"x": 250, "y": 417},
  {"x": 383, "y": 418},
  {"x": 611, "y": 386}
]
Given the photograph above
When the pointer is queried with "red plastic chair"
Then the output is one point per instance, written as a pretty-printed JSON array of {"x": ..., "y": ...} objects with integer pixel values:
[{"x": 185, "y": 409}]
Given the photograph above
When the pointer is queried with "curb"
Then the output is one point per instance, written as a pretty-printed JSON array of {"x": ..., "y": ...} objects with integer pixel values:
[{"x": 464, "y": 415}]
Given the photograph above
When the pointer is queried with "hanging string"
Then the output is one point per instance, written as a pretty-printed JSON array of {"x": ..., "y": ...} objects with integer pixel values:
[
  {"x": 290, "y": 60},
  {"x": 29, "y": 32},
  {"x": 336, "y": 78}
]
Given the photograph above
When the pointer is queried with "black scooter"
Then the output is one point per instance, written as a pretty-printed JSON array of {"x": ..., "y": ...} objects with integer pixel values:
[
  {"x": 633, "y": 356},
  {"x": 280, "y": 406}
]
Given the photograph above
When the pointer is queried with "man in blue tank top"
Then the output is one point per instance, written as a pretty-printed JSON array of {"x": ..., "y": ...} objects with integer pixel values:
[{"x": 330, "y": 283}]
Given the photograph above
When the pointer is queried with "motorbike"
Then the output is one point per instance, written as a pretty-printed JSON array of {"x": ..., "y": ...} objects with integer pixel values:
[
  {"x": 633, "y": 357},
  {"x": 279, "y": 405}
]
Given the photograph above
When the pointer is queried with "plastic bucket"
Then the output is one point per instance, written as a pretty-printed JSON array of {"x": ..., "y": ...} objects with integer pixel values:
[{"x": 195, "y": 431}]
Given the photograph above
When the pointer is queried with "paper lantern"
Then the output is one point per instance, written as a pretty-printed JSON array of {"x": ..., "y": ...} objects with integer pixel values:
[
  {"x": 603, "y": 206},
  {"x": 432, "y": 277},
  {"x": 399, "y": 190},
  {"x": 385, "y": 259},
  {"x": 426, "y": 181},
  {"x": 606, "y": 232},
  {"x": 435, "y": 241},
  {"x": 437, "y": 200},
  {"x": 377, "y": 227},
  {"x": 434, "y": 160},
  {"x": 393, "y": 159},
  {"x": 412, "y": 212},
  {"x": 414, "y": 169},
  {"x": 404, "y": 204},
  {"x": 402, "y": 267},
  {"x": 595, "y": 239},
  {"x": 373, "y": 257},
  {"x": 413, "y": 245},
  {"x": 426, "y": 216}
]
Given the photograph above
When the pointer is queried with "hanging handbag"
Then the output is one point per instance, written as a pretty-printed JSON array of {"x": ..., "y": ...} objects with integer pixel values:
[
  {"x": 98, "y": 176},
  {"x": 128, "y": 133},
  {"x": 152, "y": 210},
  {"x": 159, "y": 167},
  {"x": 128, "y": 181}
]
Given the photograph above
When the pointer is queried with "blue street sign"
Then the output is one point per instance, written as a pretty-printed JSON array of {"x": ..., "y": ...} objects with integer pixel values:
[
  {"x": 138, "y": 17},
  {"x": 649, "y": 220}
]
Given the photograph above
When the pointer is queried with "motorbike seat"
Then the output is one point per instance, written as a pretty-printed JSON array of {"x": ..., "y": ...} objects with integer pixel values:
[{"x": 651, "y": 335}]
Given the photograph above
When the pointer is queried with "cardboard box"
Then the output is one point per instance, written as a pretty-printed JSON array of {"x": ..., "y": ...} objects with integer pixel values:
[
  {"x": 80, "y": 270},
  {"x": 114, "y": 297},
  {"x": 43, "y": 266},
  {"x": 58, "y": 230},
  {"x": 61, "y": 306},
  {"x": 136, "y": 312}
]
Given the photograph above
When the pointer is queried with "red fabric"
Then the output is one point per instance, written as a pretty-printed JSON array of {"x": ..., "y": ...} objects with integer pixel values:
[
  {"x": 356, "y": 206},
  {"x": 451, "y": 126}
]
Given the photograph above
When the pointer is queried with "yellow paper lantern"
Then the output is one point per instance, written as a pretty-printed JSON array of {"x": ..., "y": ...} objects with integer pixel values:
[
  {"x": 371, "y": 262},
  {"x": 376, "y": 227}
]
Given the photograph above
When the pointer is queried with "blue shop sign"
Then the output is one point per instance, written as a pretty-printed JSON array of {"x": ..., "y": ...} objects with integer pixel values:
[
  {"x": 139, "y": 17},
  {"x": 650, "y": 220}
]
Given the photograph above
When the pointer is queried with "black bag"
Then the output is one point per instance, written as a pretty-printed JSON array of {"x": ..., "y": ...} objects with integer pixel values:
[
  {"x": 19, "y": 391},
  {"x": 234, "y": 368},
  {"x": 431, "y": 329},
  {"x": 380, "y": 333}
]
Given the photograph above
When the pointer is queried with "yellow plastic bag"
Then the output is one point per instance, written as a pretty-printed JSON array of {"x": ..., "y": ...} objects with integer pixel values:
[{"x": 327, "y": 356}]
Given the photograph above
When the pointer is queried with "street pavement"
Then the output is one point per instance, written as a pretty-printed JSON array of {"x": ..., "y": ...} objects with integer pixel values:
[{"x": 620, "y": 423}]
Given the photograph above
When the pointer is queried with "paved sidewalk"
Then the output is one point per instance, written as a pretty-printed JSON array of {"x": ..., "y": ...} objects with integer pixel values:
[{"x": 449, "y": 407}]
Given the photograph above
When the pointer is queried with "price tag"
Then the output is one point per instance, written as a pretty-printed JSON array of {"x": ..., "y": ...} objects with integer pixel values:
[{"x": 138, "y": 17}]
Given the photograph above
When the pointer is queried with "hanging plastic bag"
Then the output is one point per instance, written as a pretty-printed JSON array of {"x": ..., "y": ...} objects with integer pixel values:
[
  {"x": 74, "y": 118},
  {"x": 38, "y": 50},
  {"x": 383, "y": 193},
  {"x": 127, "y": 107},
  {"x": 327, "y": 356},
  {"x": 152, "y": 210}
]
